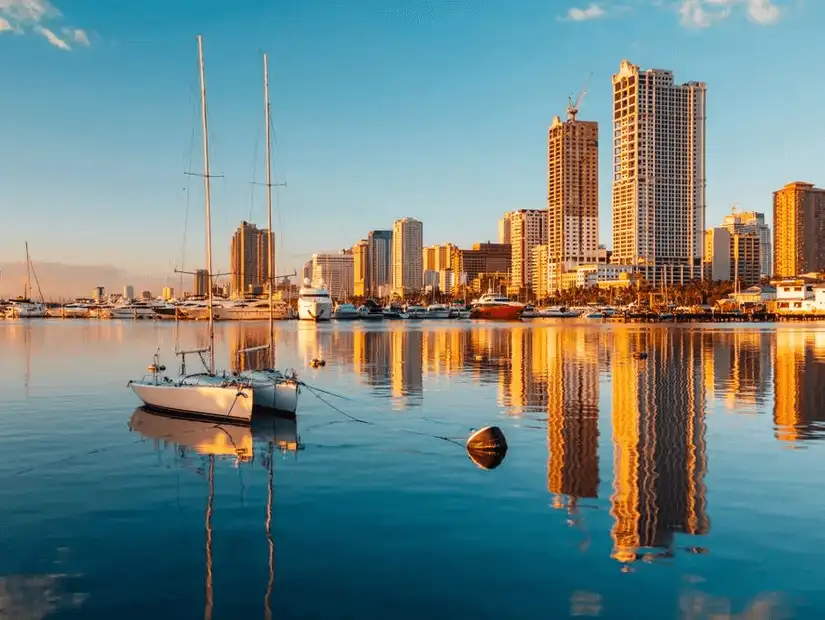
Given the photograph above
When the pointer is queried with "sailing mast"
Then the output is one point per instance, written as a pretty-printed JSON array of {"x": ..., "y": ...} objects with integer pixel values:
[
  {"x": 269, "y": 266},
  {"x": 27, "y": 287},
  {"x": 207, "y": 200}
]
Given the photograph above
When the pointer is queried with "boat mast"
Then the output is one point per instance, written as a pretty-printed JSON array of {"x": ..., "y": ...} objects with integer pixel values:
[
  {"x": 27, "y": 287},
  {"x": 208, "y": 204},
  {"x": 269, "y": 273}
]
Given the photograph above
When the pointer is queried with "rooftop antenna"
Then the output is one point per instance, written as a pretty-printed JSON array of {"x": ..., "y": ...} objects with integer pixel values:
[{"x": 573, "y": 108}]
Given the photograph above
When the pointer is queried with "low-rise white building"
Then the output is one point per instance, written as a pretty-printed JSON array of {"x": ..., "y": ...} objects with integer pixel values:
[{"x": 799, "y": 296}]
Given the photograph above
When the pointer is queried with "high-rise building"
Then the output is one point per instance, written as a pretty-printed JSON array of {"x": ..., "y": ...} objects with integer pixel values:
[
  {"x": 407, "y": 255},
  {"x": 168, "y": 293},
  {"x": 439, "y": 257},
  {"x": 751, "y": 222},
  {"x": 380, "y": 268},
  {"x": 732, "y": 257},
  {"x": 572, "y": 195},
  {"x": 306, "y": 271},
  {"x": 539, "y": 274},
  {"x": 248, "y": 255},
  {"x": 658, "y": 174},
  {"x": 528, "y": 228},
  {"x": 504, "y": 229},
  {"x": 798, "y": 229},
  {"x": 361, "y": 268},
  {"x": 128, "y": 292},
  {"x": 201, "y": 282},
  {"x": 335, "y": 271}
]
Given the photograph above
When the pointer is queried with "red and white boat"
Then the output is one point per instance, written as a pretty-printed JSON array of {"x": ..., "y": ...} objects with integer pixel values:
[{"x": 496, "y": 308}]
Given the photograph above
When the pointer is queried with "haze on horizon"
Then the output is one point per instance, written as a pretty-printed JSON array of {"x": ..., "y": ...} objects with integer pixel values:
[{"x": 381, "y": 112}]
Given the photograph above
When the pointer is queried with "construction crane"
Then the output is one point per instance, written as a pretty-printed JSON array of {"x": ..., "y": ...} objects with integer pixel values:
[{"x": 573, "y": 108}]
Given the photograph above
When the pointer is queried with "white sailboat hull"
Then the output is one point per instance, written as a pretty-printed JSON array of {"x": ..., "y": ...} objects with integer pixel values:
[
  {"x": 221, "y": 402},
  {"x": 273, "y": 391},
  {"x": 131, "y": 313}
]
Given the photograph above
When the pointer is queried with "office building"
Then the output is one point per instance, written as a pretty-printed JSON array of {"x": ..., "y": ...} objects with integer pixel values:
[
  {"x": 658, "y": 174},
  {"x": 128, "y": 292},
  {"x": 248, "y": 259},
  {"x": 798, "y": 229},
  {"x": 168, "y": 293},
  {"x": 201, "y": 283},
  {"x": 407, "y": 256},
  {"x": 361, "y": 268},
  {"x": 539, "y": 274},
  {"x": 572, "y": 195},
  {"x": 380, "y": 269},
  {"x": 335, "y": 272},
  {"x": 751, "y": 222},
  {"x": 482, "y": 258},
  {"x": 528, "y": 228}
]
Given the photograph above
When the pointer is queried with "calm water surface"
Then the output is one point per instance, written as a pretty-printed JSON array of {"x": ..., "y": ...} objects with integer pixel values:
[{"x": 688, "y": 485}]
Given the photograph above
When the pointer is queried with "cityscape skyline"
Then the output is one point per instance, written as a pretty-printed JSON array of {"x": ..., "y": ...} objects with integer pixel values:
[{"x": 744, "y": 166}]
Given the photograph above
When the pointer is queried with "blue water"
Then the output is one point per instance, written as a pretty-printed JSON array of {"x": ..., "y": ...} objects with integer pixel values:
[{"x": 688, "y": 485}]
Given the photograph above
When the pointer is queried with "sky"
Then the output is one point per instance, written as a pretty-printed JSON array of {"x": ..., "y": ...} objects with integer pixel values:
[{"x": 434, "y": 109}]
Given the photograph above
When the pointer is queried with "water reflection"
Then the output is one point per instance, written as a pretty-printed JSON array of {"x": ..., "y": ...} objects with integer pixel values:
[{"x": 799, "y": 406}]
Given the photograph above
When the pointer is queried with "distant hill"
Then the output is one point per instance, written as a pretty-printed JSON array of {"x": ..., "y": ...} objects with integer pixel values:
[{"x": 59, "y": 281}]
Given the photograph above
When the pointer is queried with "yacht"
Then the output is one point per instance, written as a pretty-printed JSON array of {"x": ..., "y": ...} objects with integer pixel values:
[
  {"x": 253, "y": 309},
  {"x": 346, "y": 312},
  {"x": 371, "y": 311},
  {"x": 130, "y": 310},
  {"x": 529, "y": 312},
  {"x": 416, "y": 312},
  {"x": 25, "y": 309},
  {"x": 497, "y": 308},
  {"x": 560, "y": 312},
  {"x": 314, "y": 303},
  {"x": 79, "y": 309},
  {"x": 394, "y": 312},
  {"x": 437, "y": 311}
]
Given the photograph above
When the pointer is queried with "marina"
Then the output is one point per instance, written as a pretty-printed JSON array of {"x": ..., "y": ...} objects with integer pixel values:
[{"x": 672, "y": 470}]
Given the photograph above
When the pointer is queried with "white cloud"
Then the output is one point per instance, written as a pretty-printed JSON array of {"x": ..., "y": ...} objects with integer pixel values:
[
  {"x": 52, "y": 38},
  {"x": 705, "y": 13},
  {"x": 37, "y": 16},
  {"x": 594, "y": 11},
  {"x": 78, "y": 36}
]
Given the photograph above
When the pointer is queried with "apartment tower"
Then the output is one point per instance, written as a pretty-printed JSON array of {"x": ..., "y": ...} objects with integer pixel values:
[
  {"x": 335, "y": 271},
  {"x": 572, "y": 195},
  {"x": 407, "y": 255},
  {"x": 753, "y": 223},
  {"x": 658, "y": 174},
  {"x": 799, "y": 229},
  {"x": 248, "y": 255},
  {"x": 379, "y": 274},
  {"x": 361, "y": 268},
  {"x": 504, "y": 229},
  {"x": 528, "y": 228}
]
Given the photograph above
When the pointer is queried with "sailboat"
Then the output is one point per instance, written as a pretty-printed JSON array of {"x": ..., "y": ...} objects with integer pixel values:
[
  {"x": 24, "y": 307},
  {"x": 273, "y": 389},
  {"x": 202, "y": 394},
  {"x": 223, "y": 441}
]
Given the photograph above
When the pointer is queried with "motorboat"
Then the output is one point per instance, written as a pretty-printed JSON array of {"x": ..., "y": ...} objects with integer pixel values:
[
  {"x": 416, "y": 312},
  {"x": 560, "y": 312},
  {"x": 314, "y": 303},
  {"x": 371, "y": 311},
  {"x": 529, "y": 312},
  {"x": 394, "y": 312},
  {"x": 437, "y": 311},
  {"x": 602, "y": 313},
  {"x": 346, "y": 312},
  {"x": 253, "y": 309},
  {"x": 496, "y": 308}
]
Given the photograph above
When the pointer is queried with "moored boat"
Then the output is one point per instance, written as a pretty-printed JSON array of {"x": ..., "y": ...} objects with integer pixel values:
[
  {"x": 496, "y": 308},
  {"x": 437, "y": 311},
  {"x": 346, "y": 312}
]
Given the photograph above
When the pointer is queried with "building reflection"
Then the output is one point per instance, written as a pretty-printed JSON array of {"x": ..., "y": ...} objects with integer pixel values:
[
  {"x": 737, "y": 368},
  {"x": 799, "y": 374},
  {"x": 660, "y": 456}
]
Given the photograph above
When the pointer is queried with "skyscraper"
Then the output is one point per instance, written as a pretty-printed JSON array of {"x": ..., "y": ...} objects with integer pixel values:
[
  {"x": 799, "y": 229},
  {"x": 361, "y": 268},
  {"x": 658, "y": 174},
  {"x": 380, "y": 269},
  {"x": 504, "y": 229},
  {"x": 751, "y": 222},
  {"x": 572, "y": 195},
  {"x": 335, "y": 271},
  {"x": 407, "y": 255},
  {"x": 528, "y": 228},
  {"x": 248, "y": 252},
  {"x": 201, "y": 282}
]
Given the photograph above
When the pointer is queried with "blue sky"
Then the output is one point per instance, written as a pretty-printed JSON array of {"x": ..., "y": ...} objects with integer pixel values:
[{"x": 433, "y": 109}]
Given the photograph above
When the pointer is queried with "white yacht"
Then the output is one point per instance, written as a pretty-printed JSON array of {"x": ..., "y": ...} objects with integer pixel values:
[
  {"x": 437, "y": 311},
  {"x": 26, "y": 309},
  {"x": 130, "y": 310},
  {"x": 76, "y": 310},
  {"x": 314, "y": 303},
  {"x": 415, "y": 311},
  {"x": 253, "y": 309}
]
